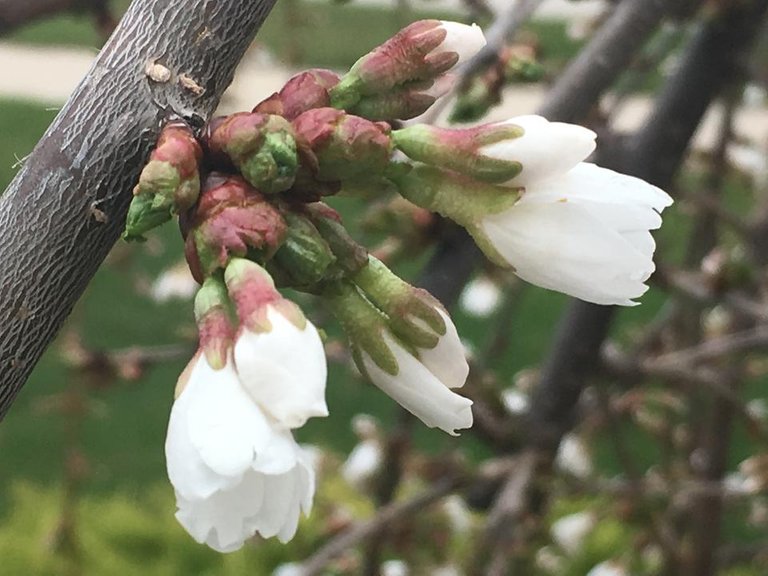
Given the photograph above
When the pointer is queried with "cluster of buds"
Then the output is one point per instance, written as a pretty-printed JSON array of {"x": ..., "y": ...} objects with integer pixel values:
[{"x": 251, "y": 198}]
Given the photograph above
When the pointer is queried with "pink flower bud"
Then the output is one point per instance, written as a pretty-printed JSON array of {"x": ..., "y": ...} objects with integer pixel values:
[
  {"x": 260, "y": 146},
  {"x": 169, "y": 183},
  {"x": 303, "y": 92},
  {"x": 345, "y": 146},
  {"x": 231, "y": 219},
  {"x": 422, "y": 51}
]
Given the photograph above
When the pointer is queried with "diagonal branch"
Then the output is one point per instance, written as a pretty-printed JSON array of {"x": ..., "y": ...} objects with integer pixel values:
[{"x": 66, "y": 207}]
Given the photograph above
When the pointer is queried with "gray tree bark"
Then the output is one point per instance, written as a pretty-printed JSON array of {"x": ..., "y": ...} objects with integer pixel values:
[{"x": 66, "y": 207}]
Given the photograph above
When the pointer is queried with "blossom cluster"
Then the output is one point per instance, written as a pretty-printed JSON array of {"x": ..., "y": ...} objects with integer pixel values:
[{"x": 250, "y": 194}]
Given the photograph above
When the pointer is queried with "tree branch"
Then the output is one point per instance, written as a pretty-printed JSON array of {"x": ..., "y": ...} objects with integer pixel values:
[
  {"x": 16, "y": 13},
  {"x": 708, "y": 65},
  {"x": 66, "y": 207}
]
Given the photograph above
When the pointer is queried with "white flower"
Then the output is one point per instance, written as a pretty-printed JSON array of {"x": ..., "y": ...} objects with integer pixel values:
[
  {"x": 418, "y": 386},
  {"x": 465, "y": 40},
  {"x": 545, "y": 149},
  {"x": 573, "y": 457},
  {"x": 480, "y": 297},
  {"x": 607, "y": 568},
  {"x": 514, "y": 401},
  {"x": 284, "y": 369},
  {"x": 584, "y": 233},
  {"x": 570, "y": 531},
  {"x": 362, "y": 464},
  {"x": 175, "y": 282},
  {"x": 394, "y": 568},
  {"x": 234, "y": 471}
]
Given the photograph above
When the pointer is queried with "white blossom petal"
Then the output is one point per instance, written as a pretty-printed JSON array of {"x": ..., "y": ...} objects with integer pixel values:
[
  {"x": 284, "y": 370},
  {"x": 235, "y": 472},
  {"x": 465, "y": 40},
  {"x": 546, "y": 149},
  {"x": 362, "y": 464},
  {"x": 585, "y": 233},
  {"x": 225, "y": 426},
  {"x": 447, "y": 361},
  {"x": 419, "y": 391}
]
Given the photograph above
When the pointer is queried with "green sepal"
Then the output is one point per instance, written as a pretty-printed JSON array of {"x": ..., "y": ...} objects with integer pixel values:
[{"x": 304, "y": 257}]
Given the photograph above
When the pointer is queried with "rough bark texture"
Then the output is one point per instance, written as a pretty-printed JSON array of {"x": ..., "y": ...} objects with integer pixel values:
[{"x": 66, "y": 207}]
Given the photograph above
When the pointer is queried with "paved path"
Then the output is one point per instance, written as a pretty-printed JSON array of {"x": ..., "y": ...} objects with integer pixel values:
[{"x": 49, "y": 75}]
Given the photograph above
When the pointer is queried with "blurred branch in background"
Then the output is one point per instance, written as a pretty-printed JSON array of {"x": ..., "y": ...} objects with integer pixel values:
[{"x": 15, "y": 14}]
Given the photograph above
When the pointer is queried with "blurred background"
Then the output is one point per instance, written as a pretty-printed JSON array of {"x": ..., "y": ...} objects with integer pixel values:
[{"x": 667, "y": 453}]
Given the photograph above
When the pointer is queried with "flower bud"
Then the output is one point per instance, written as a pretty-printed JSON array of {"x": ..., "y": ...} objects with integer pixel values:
[
  {"x": 302, "y": 92},
  {"x": 350, "y": 256},
  {"x": 304, "y": 259},
  {"x": 413, "y": 313},
  {"x": 169, "y": 183},
  {"x": 261, "y": 146},
  {"x": 420, "y": 379},
  {"x": 461, "y": 150},
  {"x": 403, "y": 103},
  {"x": 212, "y": 314},
  {"x": 346, "y": 146},
  {"x": 231, "y": 219},
  {"x": 422, "y": 51}
]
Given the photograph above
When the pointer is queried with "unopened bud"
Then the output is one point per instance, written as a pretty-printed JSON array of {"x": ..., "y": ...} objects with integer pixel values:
[
  {"x": 169, "y": 183},
  {"x": 422, "y": 51},
  {"x": 350, "y": 256},
  {"x": 403, "y": 103},
  {"x": 461, "y": 150},
  {"x": 213, "y": 318},
  {"x": 261, "y": 146},
  {"x": 413, "y": 313},
  {"x": 231, "y": 219},
  {"x": 252, "y": 289},
  {"x": 302, "y": 92},
  {"x": 304, "y": 259},
  {"x": 345, "y": 146}
]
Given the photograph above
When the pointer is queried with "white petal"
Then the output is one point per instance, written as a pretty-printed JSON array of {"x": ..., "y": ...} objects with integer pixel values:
[
  {"x": 546, "y": 149},
  {"x": 362, "y": 463},
  {"x": 225, "y": 425},
  {"x": 587, "y": 181},
  {"x": 562, "y": 246},
  {"x": 465, "y": 40},
  {"x": 282, "y": 491},
  {"x": 447, "y": 360},
  {"x": 190, "y": 476},
  {"x": 284, "y": 370},
  {"x": 480, "y": 297},
  {"x": 219, "y": 521},
  {"x": 420, "y": 392},
  {"x": 570, "y": 531}
]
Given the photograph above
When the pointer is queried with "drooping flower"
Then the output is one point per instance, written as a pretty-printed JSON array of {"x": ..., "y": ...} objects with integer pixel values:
[
  {"x": 278, "y": 352},
  {"x": 234, "y": 472},
  {"x": 418, "y": 373},
  {"x": 585, "y": 233}
]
